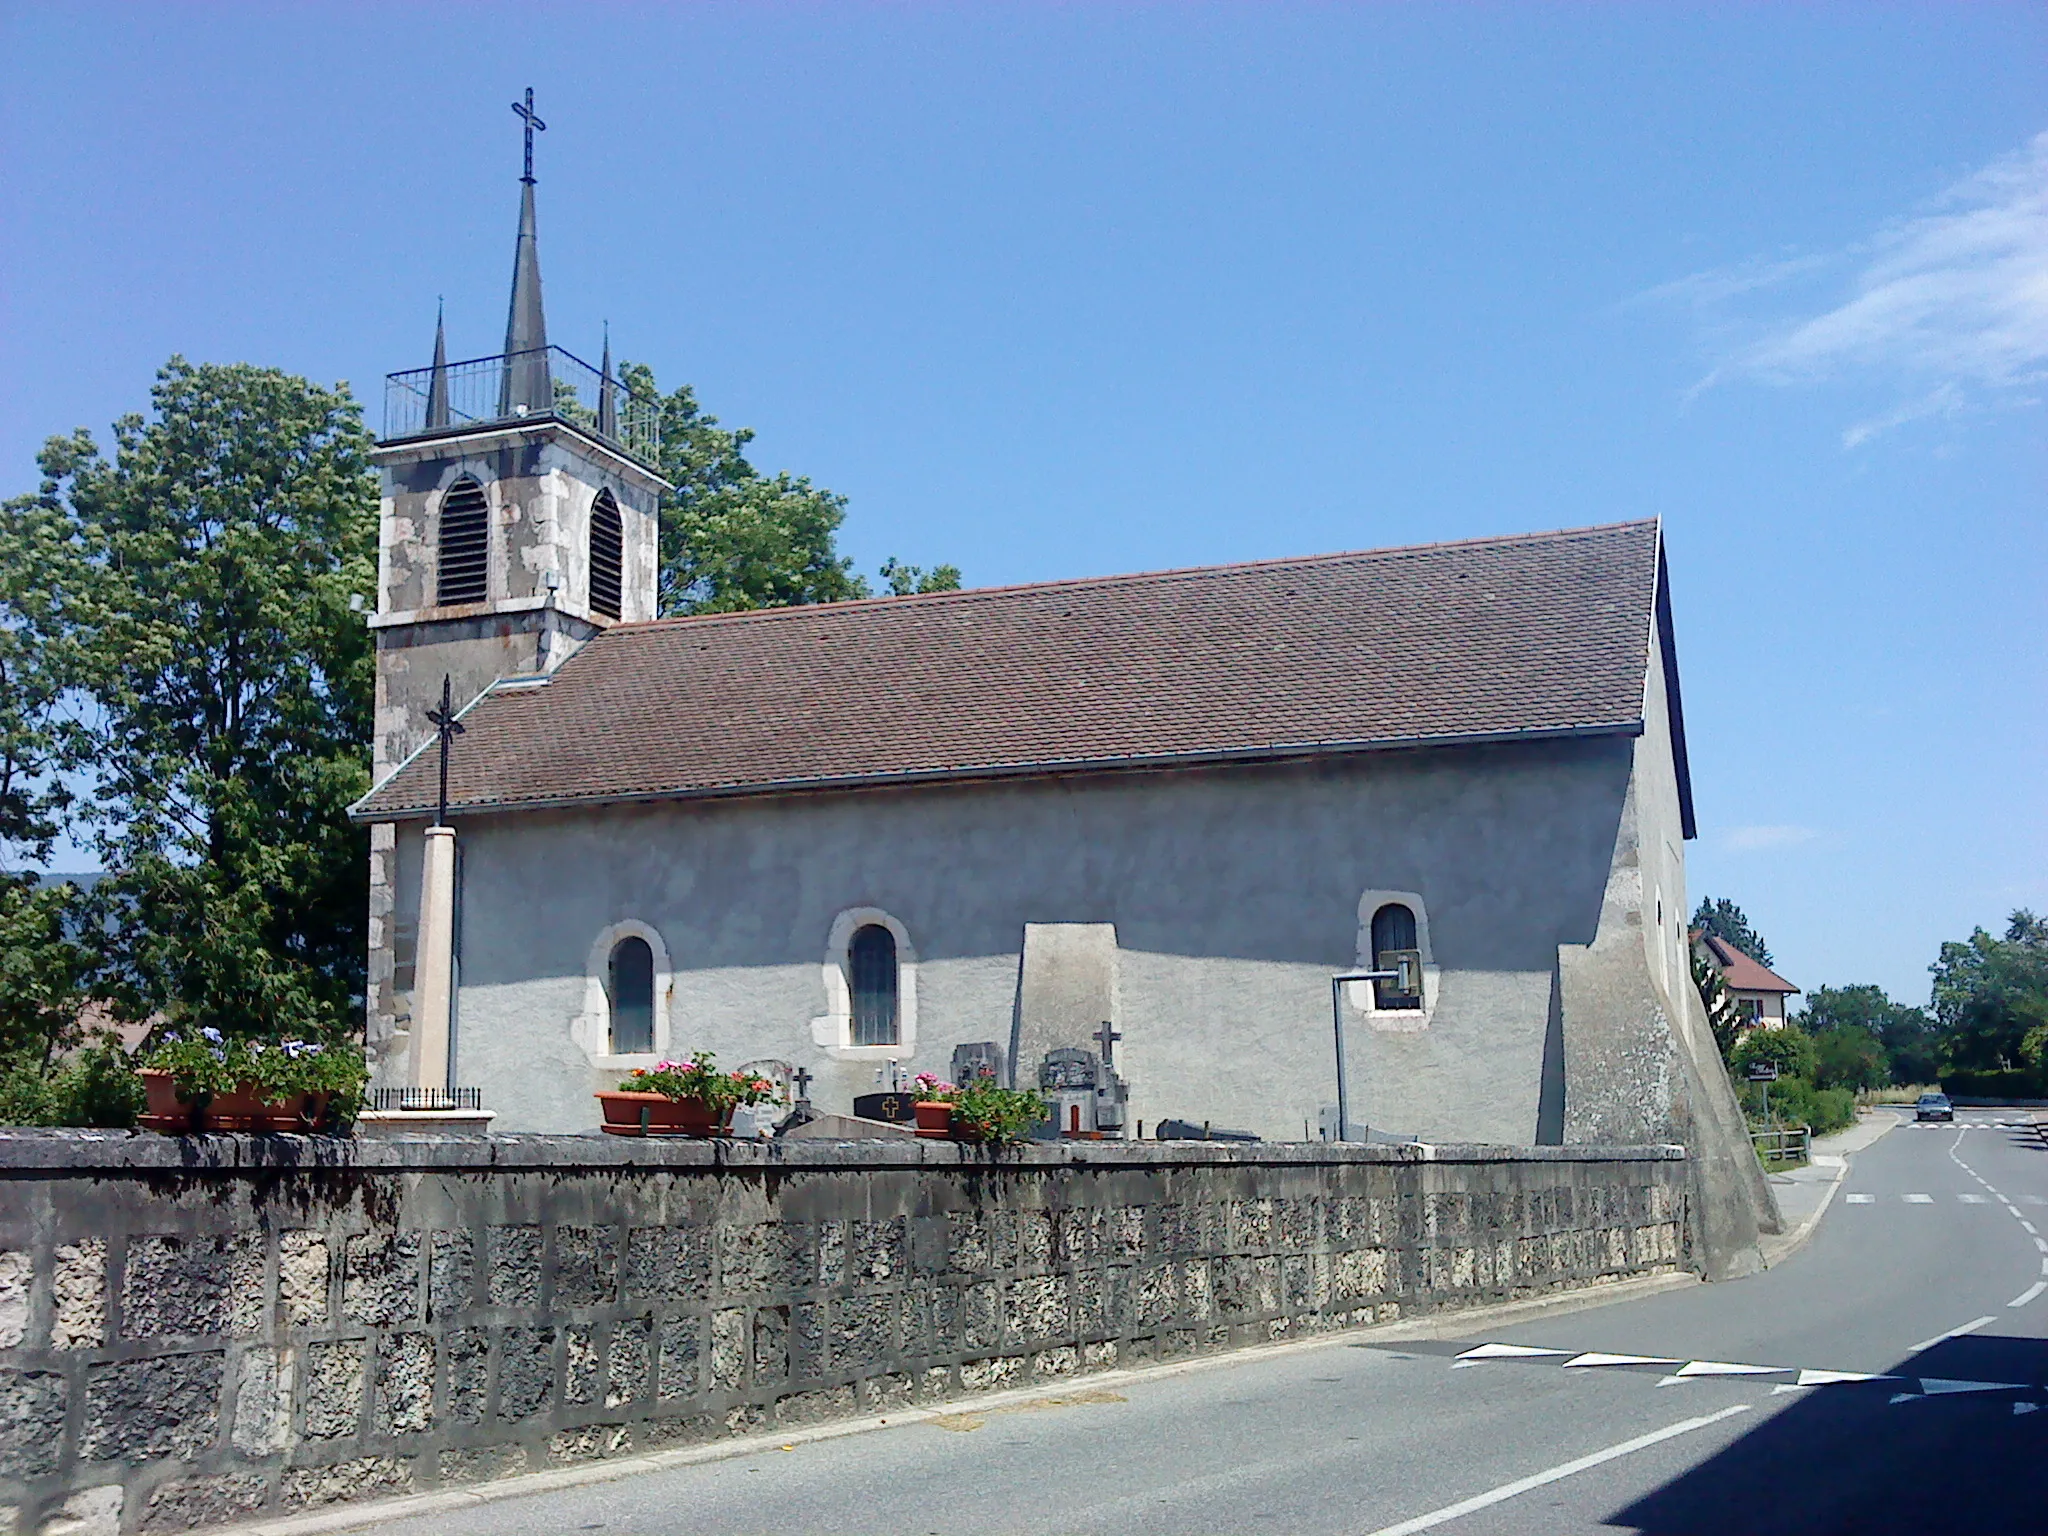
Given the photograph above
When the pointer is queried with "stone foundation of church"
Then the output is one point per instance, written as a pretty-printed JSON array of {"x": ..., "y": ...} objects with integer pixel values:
[{"x": 198, "y": 1330}]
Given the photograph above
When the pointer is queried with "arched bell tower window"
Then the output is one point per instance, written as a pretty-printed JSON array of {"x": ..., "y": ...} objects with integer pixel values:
[
  {"x": 607, "y": 550},
  {"x": 464, "y": 564},
  {"x": 871, "y": 958},
  {"x": 629, "y": 987},
  {"x": 1393, "y": 934}
]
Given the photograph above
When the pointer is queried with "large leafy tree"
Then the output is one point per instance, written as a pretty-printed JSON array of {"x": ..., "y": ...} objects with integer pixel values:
[
  {"x": 734, "y": 538},
  {"x": 1725, "y": 921},
  {"x": 1907, "y": 1035},
  {"x": 43, "y": 963},
  {"x": 228, "y": 688},
  {"x": 1991, "y": 994}
]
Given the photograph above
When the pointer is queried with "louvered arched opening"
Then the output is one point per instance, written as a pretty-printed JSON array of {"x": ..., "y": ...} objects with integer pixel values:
[
  {"x": 607, "y": 552},
  {"x": 465, "y": 544}
]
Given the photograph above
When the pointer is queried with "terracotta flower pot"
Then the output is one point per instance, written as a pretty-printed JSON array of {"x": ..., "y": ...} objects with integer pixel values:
[
  {"x": 244, "y": 1107},
  {"x": 934, "y": 1117},
  {"x": 627, "y": 1113}
]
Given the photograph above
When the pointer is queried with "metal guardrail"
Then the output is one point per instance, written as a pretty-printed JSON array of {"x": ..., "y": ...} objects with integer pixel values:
[
  {"x": 484, "y": 391},
  {"x": 1792, "y": 1144}
]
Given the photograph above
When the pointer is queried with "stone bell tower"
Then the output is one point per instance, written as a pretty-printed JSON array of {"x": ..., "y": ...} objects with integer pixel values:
[{"x": 519, "y": 519}]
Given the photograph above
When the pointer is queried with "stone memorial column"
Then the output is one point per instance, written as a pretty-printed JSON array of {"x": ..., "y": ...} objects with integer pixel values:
[{"x": 434, "y": 972}]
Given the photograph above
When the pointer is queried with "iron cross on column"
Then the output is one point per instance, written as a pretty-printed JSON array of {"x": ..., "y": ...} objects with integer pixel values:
[
  {"x": 1107, "y": 1037},
  {"x": 801, "y": 1080},
  {"x": 525, "y": 110},
  {"x": 447, "y": 727}
]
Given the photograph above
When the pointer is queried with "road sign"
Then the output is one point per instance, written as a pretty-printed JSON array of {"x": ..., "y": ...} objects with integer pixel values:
[{"x": 1763, "y": 1072}]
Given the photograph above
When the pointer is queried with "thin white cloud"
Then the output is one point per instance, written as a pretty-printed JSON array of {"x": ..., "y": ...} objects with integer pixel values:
[
  {"x": 1762, "y": 839},
  {"x": 1943, "y": 400},
  {"x": 1952, "y": 304}
]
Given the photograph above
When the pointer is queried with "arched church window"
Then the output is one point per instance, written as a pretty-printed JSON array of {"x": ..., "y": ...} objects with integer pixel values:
[
  {"x": 1393, "y": 934},
  {"x": 871, "y": 958},
  {"x": 630, "y": 988},
  {"x": 464, "y": 571},
  {"x": 607, "y": 550}
]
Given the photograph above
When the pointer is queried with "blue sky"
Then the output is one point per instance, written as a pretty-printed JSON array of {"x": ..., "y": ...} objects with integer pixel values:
[{"x": 1060, "y": 290}]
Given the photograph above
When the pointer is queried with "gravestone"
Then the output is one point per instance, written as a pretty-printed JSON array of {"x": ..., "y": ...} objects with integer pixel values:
[
  {"x": 896, "y": 1106},
  {"x": 1068, "y": 1078},
  {"x": 983, "y": 1058}
]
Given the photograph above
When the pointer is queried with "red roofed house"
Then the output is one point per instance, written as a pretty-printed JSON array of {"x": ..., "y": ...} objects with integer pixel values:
[
  {"x": 981, "y": 826},
  {"x": 1757, "y": 989}
]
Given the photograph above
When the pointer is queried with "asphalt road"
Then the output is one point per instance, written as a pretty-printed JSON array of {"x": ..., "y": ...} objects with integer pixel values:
[{"x": 1936, "y": 1230}]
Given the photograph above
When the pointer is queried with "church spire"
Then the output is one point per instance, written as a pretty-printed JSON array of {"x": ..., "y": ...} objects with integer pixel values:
[
  {"x": 437, "y": 386},
  {"x": 607, "y": 391},
  {"x": 527, "y": 388}
]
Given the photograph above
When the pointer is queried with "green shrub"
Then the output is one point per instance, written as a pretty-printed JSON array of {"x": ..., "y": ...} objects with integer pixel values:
[
  {"x": 1795, "y": 1101},
  {"x": 95, "y": 1087},
  {"x": 1788, "y": 1048}
]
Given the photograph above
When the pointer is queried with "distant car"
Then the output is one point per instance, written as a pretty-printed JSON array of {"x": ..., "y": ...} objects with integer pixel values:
[{"x": 1934, "y": 1106}]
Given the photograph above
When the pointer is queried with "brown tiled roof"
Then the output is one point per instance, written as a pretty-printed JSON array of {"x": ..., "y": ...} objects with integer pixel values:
[
  {"x": 1539, "y": 634},
  {"x": 1741, "y": 973}
]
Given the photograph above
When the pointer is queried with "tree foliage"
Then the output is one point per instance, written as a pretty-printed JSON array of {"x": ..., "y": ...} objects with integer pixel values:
[
  {"x": 1991, "y": 994},
  {"x": 733, "y": 538},
  {"x": 1907, "y": 1036},
  {"x": 1724, "y": 1015},
  {"x": 1849, "y": 1057},
  {"x": 203, "y": 576},
  {"x": 1725, "y": 921},
  {"x": 1787, "y": 1047}
]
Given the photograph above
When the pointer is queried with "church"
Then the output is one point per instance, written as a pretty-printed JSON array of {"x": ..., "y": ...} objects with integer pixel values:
[{"x": 1128, "y": 833}]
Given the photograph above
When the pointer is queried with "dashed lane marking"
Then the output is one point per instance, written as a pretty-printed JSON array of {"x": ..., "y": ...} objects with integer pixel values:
[
  {"x": 2028, "y": 1294},
  {"x": 1860, "y": 1199},
  {"x": 1954, "y": 1333},
  {"x": 1974, "y": 1199},
  {"x": 1919, "y": 1199}
]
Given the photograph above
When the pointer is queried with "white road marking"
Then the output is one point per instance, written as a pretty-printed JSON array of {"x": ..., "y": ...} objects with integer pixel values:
[
  {"x": 2026, "y": 1407},
  {"x": 2041, "y": 1243},
  {"x": 1919, "y": 1199},
  {"x": 1728, "y": 1368},
  {"x": 1936, "y": 1386},
  {"x": 2034, "y": 1199},
  {"x": 2028, "y": 1294},
  {"x": 1974, "y": 1199},
  {"x": 1860, "y": 1199},
  {"x": 1555, "y": 1474},
  {"x": 1954, "y": 1333},
  {"x": 1508, "y": 1352},
  {"x": 1595, "y": 1357},
  {"x": 1833, "y": 1378}
]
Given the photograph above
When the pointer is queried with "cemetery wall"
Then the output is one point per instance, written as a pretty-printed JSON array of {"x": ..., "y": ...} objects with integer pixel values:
[{"x": 195, "y": 1330}]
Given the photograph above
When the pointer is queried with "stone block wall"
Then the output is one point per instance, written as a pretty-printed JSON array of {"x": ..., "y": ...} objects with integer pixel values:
[{"x": 196, "y": 1330}]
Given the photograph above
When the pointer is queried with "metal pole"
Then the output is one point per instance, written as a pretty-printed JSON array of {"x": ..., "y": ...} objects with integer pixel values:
[{"x": 1337, "y": 1027}]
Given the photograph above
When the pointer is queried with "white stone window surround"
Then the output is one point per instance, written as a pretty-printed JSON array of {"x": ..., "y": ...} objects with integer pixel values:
[
  {"x": 1359, "y": 994},
  {"x": 833, "y": 1029},
  {"x": 592, "y": 1029}
]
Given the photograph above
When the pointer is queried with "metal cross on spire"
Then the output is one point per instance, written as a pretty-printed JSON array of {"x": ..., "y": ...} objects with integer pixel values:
[
  {"x": 525, "y": 110},
  {"x": 447, "y": 728}
]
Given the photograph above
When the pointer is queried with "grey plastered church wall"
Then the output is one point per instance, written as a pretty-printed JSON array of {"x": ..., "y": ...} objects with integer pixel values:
[{"x": 1234, "y": 894}]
